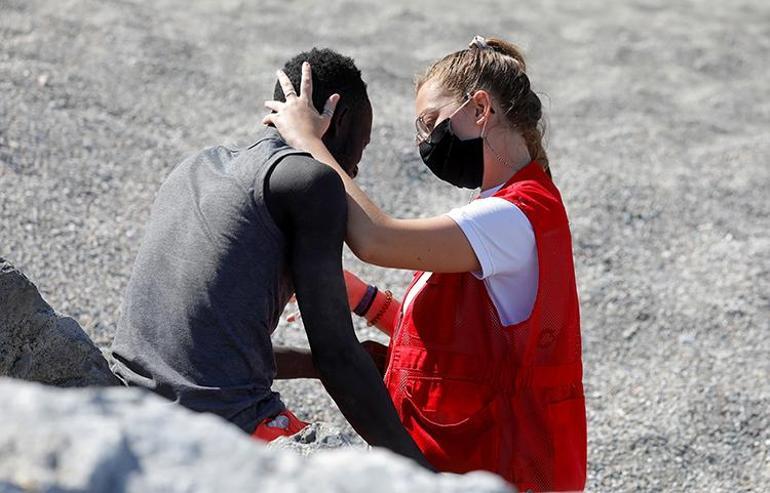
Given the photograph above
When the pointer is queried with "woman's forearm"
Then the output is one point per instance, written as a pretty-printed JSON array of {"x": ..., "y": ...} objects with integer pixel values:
[
  {"x": 379, "y": 308},
  {"x": 319, "y": 151},
  {"x": 434, "y": 244},
  {"x": 384, "y": 313},
  {"x": 366, "y": 221}
]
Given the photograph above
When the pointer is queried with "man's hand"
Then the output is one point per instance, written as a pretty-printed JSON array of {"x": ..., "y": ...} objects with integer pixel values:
[
  {"x": 379, "y": 354},
  {"x": 294, "y": 362},
  {"x": 299, "y": 123}
]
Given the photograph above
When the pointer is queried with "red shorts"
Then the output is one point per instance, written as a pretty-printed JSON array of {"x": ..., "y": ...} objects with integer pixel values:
[{"x": 285, "y": 424}]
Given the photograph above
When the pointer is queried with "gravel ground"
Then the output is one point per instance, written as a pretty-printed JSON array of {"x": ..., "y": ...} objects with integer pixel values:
[{"x": 656, "y": 113}]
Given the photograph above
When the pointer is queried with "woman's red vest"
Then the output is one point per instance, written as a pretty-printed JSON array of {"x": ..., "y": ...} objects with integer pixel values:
[{"x": 475, "y": 394}]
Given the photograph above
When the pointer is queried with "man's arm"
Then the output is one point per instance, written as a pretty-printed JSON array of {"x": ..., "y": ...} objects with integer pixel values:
[
  {"x": 308, "y": 201},
  {"x": 295, "y": 362}
]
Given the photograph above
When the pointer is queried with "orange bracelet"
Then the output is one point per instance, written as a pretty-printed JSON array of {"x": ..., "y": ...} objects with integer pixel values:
[{"x": 383, "y": 309}]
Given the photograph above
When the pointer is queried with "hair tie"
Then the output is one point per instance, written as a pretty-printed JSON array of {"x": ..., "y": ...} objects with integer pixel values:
[{"x": 479, "y": 42}]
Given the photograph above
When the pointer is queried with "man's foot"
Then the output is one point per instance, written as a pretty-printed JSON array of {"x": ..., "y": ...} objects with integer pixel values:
[{"x": 284, "y": 424}]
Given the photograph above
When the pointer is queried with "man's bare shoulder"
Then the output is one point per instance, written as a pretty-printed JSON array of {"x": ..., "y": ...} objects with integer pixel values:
[
  {"x": 301, "y": 173},
  {"x": 306, "y": 190}
]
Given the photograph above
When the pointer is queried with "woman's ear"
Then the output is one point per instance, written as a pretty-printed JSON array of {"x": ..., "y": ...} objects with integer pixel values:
[{"x": 482, "y": 106}]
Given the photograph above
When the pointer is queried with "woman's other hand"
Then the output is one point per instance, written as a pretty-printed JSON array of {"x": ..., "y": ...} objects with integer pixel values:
[
  {"x": 356, "y": 289},
  {"x": 297, "y": 120}
]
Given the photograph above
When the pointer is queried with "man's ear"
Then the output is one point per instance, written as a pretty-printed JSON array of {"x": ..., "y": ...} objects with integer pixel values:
[
  {"x": 340, "y": 120},
  {"x": 335, "y": 126}
]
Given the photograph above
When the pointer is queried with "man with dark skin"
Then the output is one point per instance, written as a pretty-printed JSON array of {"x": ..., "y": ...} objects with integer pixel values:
[{"x": 232, "y": 233}]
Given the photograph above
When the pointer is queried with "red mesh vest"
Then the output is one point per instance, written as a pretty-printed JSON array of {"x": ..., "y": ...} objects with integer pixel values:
[{"x": 475, "y": 394}]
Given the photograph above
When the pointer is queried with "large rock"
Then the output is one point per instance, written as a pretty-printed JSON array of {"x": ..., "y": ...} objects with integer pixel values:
[
  {"x": 128, "y": 440},
  {"x": 38, "y": 344}
]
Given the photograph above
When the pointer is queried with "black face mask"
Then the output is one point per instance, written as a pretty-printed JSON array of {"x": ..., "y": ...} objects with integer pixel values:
[{"x": 459, "y": 162}]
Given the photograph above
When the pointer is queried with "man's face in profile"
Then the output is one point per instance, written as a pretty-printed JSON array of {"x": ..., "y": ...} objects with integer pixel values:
[{"x": 351, "y": 133}]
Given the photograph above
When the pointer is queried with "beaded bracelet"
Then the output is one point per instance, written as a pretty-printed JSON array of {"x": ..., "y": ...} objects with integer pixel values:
[{"x": 383, "y": 309}]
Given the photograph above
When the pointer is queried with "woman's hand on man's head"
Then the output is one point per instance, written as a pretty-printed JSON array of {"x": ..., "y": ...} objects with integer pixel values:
[{"x": 299, "y": 123}]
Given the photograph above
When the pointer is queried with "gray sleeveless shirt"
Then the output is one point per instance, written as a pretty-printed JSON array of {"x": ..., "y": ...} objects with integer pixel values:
[{"x": 208, "y": 287}]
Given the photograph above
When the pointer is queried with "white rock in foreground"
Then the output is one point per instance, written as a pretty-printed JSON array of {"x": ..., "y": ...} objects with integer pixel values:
[{"x": 118, "y": 439}]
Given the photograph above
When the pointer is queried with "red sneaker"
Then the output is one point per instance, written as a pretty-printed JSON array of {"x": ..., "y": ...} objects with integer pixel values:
[{"x": 285, "y": 424}]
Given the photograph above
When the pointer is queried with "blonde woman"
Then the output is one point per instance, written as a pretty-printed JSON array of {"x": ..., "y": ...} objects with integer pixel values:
[{"x": 484, "y": 364}]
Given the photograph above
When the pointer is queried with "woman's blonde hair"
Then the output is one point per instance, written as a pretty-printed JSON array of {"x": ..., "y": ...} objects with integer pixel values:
[{"x": 498, "y": 67}]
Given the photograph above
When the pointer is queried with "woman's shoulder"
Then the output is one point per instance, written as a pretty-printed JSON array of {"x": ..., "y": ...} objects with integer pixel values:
[
  {"x": 491, "y": 211},
  {"x": 535, "y": 198}
]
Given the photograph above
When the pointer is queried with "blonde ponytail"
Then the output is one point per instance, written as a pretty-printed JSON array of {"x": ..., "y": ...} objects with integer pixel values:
[{"x": 498, "y": 67}]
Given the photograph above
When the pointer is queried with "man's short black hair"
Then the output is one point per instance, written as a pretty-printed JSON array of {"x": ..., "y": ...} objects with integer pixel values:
[{"x": 332, "y": 73}]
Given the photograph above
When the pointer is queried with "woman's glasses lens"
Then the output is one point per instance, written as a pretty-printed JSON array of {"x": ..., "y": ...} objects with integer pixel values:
[{"x": 422, "y": 130}]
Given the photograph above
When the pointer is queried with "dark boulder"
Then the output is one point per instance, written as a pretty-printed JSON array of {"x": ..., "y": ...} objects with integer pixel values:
[{"x": 40, "y": 345}]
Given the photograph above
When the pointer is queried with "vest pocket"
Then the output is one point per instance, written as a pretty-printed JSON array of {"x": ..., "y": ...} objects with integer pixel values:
[
  {"x": 467, "y": 445},
  {"x": 444, "y": 400}
]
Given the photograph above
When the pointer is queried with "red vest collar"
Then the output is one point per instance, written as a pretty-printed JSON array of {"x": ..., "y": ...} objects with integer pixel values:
[{"x": 532, "y": 171}]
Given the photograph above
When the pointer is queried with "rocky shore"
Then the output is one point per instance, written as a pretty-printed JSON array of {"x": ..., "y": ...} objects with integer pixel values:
[{"x": 658, "y": 119}]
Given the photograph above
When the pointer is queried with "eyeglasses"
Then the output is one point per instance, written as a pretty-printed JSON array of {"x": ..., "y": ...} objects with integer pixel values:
[{"x": 424, "y": 130}]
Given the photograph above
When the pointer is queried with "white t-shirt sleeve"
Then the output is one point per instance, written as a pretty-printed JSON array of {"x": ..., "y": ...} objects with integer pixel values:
[{"x": 499, "y": 233}]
